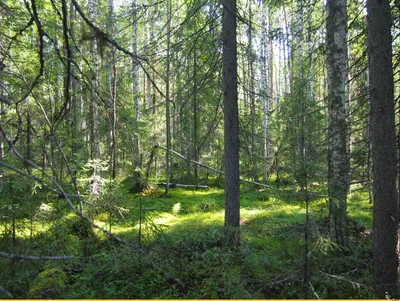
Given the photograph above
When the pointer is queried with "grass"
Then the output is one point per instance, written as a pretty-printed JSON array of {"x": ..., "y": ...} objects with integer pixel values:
[{"x": 183, "y": 234}]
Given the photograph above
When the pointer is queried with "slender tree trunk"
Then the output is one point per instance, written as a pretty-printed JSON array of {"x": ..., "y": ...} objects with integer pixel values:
[
  {"x": 28, "y": 140},
  {"x": 167, "y": 101},
  {"x": 383, "y": 140},
  {"x": 253, "y": 115},
  {"x": 231, "y": 124},
  {"x": 195, "y": 118},
  {"x": 264, "y": 89},
  {"x": 337, "y": 151},
  {"x": 74, "y": 86},
  {"x": 94, "y": 130},
  {"x": 113, "y": 93},
  {"x": 95, "y": 143},
  {"x": 137, "y": 166}
]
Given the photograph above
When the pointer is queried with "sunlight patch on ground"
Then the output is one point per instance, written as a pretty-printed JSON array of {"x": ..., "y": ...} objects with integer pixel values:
[{"x": 23, "y": 229}]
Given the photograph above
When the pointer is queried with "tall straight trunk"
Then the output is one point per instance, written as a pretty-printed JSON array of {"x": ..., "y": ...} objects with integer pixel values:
[
  {"x": 264, "y": 88},
  {"x": 28, "y": 140},
  {"x": 74, "y": 85},
  {"x": 252, "y": 98},
  {"x": 94, "y": 120},
  {"x": 383, "y": 140},
  {"x": 137, "y": 164},
  {"x": 113, "y": 94},
  {"x": 195, "y": 118},
  {"x": 337, "y": 151},
  {"x": 167, "y": 100},
  {"x": 94, "y": 131},
  {"x": 231, "y": 124}
]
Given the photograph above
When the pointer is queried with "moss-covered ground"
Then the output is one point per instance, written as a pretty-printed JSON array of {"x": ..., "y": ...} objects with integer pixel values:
[{"x": 182, "y": 234}]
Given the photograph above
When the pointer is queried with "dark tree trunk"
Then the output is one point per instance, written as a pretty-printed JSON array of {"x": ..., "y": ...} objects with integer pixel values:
[
  {"x": 383, "y": 142},
  {"x": 231, "y": 124}
]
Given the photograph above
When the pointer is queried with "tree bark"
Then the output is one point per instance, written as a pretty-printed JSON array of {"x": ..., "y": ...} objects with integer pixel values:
[
  {"x": 74, "y": 86},
  {"x": 137, "y": 164},
  {"x": 113, "y": 94},
  {"x": 195, "y": 117},
  {"x": 95, "y": 143},
  {"x": 167, "y": 100},
  {"x": 231, "y": 124},
  {"x": 337, "y": 151},
  {"x": 383, "y": 140},
  {"x": 264, "y": 88},
  {"x": 94, "y": 130}
]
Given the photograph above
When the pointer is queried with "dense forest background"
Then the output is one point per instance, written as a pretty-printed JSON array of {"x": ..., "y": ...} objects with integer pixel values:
[{"x": 114, "y": 154}]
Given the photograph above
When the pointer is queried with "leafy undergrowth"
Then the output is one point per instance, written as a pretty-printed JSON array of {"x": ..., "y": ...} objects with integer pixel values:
[{"x": 182, "y": 233}]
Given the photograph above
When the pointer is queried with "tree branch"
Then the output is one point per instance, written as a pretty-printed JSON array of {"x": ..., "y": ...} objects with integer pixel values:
[
  {"x": 6, "y": 292},
  {"x": 34, "y": 258},
  {"x": 211, "y": 168}
]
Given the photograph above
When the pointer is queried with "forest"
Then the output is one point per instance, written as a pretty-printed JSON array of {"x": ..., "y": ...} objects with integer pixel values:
[{"x": 190, "y": 149}]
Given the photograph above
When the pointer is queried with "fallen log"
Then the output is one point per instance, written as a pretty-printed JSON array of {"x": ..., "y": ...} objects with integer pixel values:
[
  {"x": 210, "y": 168},
  {"x": 179, "y": 185}
]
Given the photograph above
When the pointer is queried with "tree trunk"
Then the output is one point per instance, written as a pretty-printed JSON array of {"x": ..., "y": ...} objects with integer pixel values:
[
  {"x": 167, "y": 100},
  {"x": 337, "y": 151},
  {"x": 74, "y": 87},
  {"x": 253, "y": 116},
  {"x": 94, "y": 122},
  {"x": 137, "y": 166},
  {"x": 231, "y": 124},
  {"x": 195, "y": 118},
  {"x": 383, "y": 140},
  {"x": 94, "y": 139},
  {"x": 28, "y": 141},
  {"x": 264, "y": 89}
]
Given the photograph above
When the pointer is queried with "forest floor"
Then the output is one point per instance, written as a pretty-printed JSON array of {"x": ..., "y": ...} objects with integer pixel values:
[{"x": 182, "y": 234}]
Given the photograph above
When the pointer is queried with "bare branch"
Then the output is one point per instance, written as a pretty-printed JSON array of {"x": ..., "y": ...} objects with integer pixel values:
[
  {"x": 34, "y": 258},
  {"x": 6, "y": 292},
  {"x": 211, "y": 168},
  {"x": 66, "y": 196},
  {"x": 102, "y": 35}
]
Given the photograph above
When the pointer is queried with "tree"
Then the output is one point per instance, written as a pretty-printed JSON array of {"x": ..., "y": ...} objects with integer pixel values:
[
  {"x": 231, "y": 124},
  {"x": 383, "y": 141},
  {"x": 167, "y": 100},
  {"x": 94, "y": 124},
  {"x": 336, "y": 27},
  {"x": 136, "y": 96}
]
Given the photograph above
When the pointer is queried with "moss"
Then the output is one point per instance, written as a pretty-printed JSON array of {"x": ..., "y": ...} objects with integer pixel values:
[
  {"x": 80, "y": 228},
  {"x": 49, "y": 284}
]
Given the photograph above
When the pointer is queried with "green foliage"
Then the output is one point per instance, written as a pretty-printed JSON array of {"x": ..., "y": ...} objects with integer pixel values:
[{"x": 188, "y": 244}]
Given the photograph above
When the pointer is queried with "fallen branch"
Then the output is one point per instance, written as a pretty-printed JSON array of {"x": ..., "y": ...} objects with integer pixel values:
[
  {"x": 210, "y": 168},
  {"x": 353, "y": 283},
  {"x": 63, "y": 194},
  {"x": 26, "y": 257},
  {"x": 6, "y": 292},
  {"x": 179, "y": 185}
]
